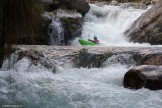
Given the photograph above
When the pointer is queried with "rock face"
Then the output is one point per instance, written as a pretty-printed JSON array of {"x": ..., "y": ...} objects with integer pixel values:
[
  {"x": 65, "y": 17},
  {"x": 80, "y": 6},
  {"x": 1, "y": 35},
  {"x": 114, "y": 2},
  {"x": 37, "y": 57},
  {"x": 152, "y": 59},
  {"x": 66, "y": 25},
  {"x": 89, "y": 60},
  {"x": 148, "y": 2},
  {"x": 147, "y": 76},
  {"x": 134, "y": 5},
  {"x": 148, "y": 27}
]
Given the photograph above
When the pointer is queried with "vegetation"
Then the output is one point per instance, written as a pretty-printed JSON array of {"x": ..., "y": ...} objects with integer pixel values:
[{"x": 18, "y": 18}]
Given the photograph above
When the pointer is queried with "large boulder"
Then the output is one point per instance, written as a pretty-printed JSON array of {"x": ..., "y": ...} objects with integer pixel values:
[
  {"x": 66, "y": 25},
  {"x": 147, "y": 76},
  {"x": 148, "y": 27},
  {"x": 87, "y": 59},
  {"x": 80, "y": 6}
]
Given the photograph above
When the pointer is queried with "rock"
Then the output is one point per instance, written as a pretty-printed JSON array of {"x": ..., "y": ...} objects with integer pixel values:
[
  {"x": 40, "y": 38},
  {"x": 148, "y": 27},
  {"x": 86, "y": 59},
  {"x": 146, "y": 2},
  {"x": 147, "y": 76},
  {"x": 66, "y": 25},
  {"x": 114, "y": 3},
  {"x": 149, "y": 2},
  {"x": 133, "y": 5},
  {"x": 37, "y": 57},
  {"x": 51, "y": 5},
  {"x": 91, "y": 57},
  {"x": 80, "y": 5},
  {"x": 152, "y": 59},
  {"x": 100, "y": 4}
]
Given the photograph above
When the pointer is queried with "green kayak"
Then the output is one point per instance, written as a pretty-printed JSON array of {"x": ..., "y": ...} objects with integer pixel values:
[{"x": 85, "y": 42}]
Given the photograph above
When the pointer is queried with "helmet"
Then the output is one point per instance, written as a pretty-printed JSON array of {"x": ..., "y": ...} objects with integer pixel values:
[{"x": 95, "y": 37}]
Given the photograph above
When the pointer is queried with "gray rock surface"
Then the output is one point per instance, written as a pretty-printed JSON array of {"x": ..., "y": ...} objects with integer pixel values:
[
  {"x": 148, "y": 27},
  {"x": 80, "y": 6},
  {"x": 133, "y": 5},
  {"x": 147, "y": 76},
  {"x": 90, "y": 57},
  {"x": 65, "y": 26}
]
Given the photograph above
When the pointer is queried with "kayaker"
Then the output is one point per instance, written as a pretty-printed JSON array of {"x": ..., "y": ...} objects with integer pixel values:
[{"x": 95, "y": 40}]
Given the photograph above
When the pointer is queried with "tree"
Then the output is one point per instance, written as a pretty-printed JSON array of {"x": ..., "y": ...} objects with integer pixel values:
[{"x": 18, "y": 18}]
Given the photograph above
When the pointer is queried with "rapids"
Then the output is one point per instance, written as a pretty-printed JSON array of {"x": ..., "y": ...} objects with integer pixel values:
[
  {"x": 31, "y": 86},
  {"x": 109, "y": 23}
]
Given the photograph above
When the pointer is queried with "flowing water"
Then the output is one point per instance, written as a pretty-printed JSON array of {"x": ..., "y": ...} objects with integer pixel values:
[
  {"x": 55, "y": 30},
  {"x": 37, "y": 87},
  {"x": 109, "y": 23},
  {"x": 33, "y": 86}
]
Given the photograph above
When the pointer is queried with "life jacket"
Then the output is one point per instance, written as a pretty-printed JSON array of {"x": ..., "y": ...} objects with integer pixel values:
[{"x": 96, "y": 41}]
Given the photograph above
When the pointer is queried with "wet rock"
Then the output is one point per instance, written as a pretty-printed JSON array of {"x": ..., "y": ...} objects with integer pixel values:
[
  {"x": 133, "y": 5},
  {"x": 37, "y": 57},
  {"x": 66, "y": 25},
  {"x": 80, "y": 6},
  {"x": 149, "y": 2},
  {"x": 146, "y": 2},
  {"x": 152, "y": 59},
  {"x": 48, "y": 4},
  {"x": 148, "y": 27},
  {"x": 89, "y": 60},
  {"x": 147, "y": 76},
  {"x": 114, "y": 3},
  {"x": 123, "y": 59},
  {"x": 39, "y": 38},
  {"x": 103, "y": 3}
]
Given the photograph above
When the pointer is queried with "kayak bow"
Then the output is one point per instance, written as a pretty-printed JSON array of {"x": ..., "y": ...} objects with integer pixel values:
[{"x": 85, "y": 42}]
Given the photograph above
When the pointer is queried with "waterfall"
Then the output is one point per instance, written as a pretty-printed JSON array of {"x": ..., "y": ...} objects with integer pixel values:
[
  {"x": 109, "y": 23},
  {"x": 55, "y": 30}
]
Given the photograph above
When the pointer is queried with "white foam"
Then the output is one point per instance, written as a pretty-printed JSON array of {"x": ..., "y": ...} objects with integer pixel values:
[
  {"x": 36, "y": 87},
  {"x": 109, "y": 23}
]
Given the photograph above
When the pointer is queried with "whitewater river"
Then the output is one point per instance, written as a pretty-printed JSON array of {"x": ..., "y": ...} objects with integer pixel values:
[
  {"x": 31, "y": 86},
  {"x": 109, "y": 23}
]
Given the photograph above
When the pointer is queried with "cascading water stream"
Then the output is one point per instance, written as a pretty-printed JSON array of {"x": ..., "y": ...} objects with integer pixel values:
[
  {"x": 55, "y": 30},
  {"x": 109, "y": 23}
]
